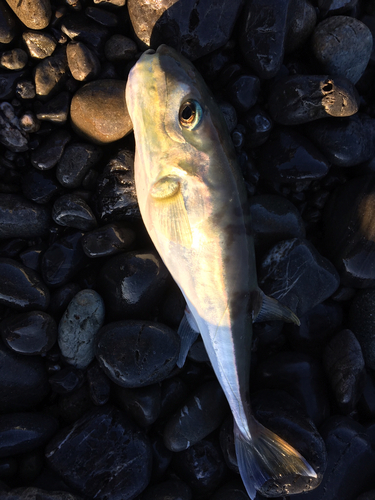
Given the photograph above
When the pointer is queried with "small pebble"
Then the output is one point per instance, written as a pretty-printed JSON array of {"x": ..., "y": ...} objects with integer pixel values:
[
  {"x": 46, "y": 156},
  {"x": 107, "y": 240},
  {"x": 39, "y": 45},
  {"x": 51, "y": 73},
  {"x": 40, "y": 187},
  {"x": 72, "y": 211},
  {"x": 83, "y": 62},
  {"x": 22, "y": 218},
  {"x": 35, "y": 14},
  {"x": 66, "y": 380},
  {"x": 142, "y": 403},
  {"x": 11, "y": 134},
  {"x": 55, "y": 110},
  {"x": 7, "y": 24},
  {"x": 77, "y": 160},
  {"x": 99, "y": 385},
  {"x": 120, "y": 48},
  {"x": 14, "y": 59}
]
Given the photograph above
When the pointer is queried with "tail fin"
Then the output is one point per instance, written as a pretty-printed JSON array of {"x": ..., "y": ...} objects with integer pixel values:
[{"x": 265, "y": 456}]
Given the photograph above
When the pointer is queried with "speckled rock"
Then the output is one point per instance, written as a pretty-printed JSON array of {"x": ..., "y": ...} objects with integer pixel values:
[
  {"x": 39, "y": 45},
  {"x": 45, "y": 156},
  {"x": 35, "y": 14},
  {"x": 83, "y": 62},
  {"x": 78, "y": 328},
  {"x": 13, "y": 59},
  {"x": 51, "y": 73},
  {"x": 11, "y": 134}
]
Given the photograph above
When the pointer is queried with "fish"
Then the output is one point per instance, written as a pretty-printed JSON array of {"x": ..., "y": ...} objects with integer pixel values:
[{"x": 193, "y": 202}]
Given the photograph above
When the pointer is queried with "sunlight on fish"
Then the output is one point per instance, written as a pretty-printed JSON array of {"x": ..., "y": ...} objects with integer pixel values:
[{"x": 194, "y": 205}]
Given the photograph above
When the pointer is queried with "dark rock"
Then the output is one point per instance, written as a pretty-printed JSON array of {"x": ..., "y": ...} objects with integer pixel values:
[
  {"x": 173, "y": 307},
  {"x": 299, "y": 99},
  {"x": 243, "y": 91},
  {"x": 83, "y": 62},
  {"x": 29, "y": 333},
  {"x": 32, "y": 257},
  {"x": 115, "y": 197},
  {"x": 39, "y": 44},
  {"x": 61, "y": 297},
  {"x": 361, "y": 321},
  {"x": 74, "y": 405},
  {"x": 81, "y": 29},
  {"x": 13, "y": 59},
  {"x": 201, "y": 466},
  {"x": 345, "y": 367},
  {"x": 7, "y": 24},
  {"x": 258, "y": 126},
  {"x": 21, "y": 288},
  {"x": 8, "y": 84},
  {"x": 194, "y": 29},
  {"x": 11, "y": 134},
  {"x": 99, "y": 112},
  {"x": 335, "y": 6},
  {"x": 99, "y": 385},
  {"x": 142, "y": 404},
  {"x": 72, "y": 211},
  {"x": 63, "y": 259},
  {"x": 101, "y": 16},
  {"x": 345, "y": 141},
  {"x": 262, "y": 35},
  {"x": 289, "y": 157},
  {"x": 301, "y": 22},
  {"x": 349, "y": 231},
  {"x": 51, "y": 73},
  {"x": 230, "y": 115},
  {"x": 11, "y": 248},
  {"x": 30, "y": 466},
  {"x": 31, "y": 493},
  {"x": 173, "y": 393},
  {"x": 153, "y": 355},
  {"x": 132, "y": 284},
  {"x": 103, "y": 455},
  {"x": 22, "y": 218},
  {"x": 274, "y": 218},
  {"x": 49, "y": 152},
  {"x": 22, "y": 432},
  {"x": 25, "y": 89},
  {"x": 297, "y": 275},
  {"x": 369, "y": 495},
  {"x": 198, "y": 352},
  {"x": 201, "y": 414},
  {"x": 161, "y": 457},
  {"x": 366, "y": 403},
  {"x": 302, "y": 377},
  {"x": 41, "y": 187},
  {"x": 23, "y": 381},
  {"x": 66, "y": 380},
  {"x": 234, "y": 490},
  {"x": 342, "y": 45},
  {"x": 75, "y": 163},
  {"x": 8, "y": 469},
  {"x": 227, "y": 444},
  {"x": 168, "y": 489},
  {"x": 56, "y": 110},
  {"x": 120, "y": 48},
  {"x": 107, "y": 240}
]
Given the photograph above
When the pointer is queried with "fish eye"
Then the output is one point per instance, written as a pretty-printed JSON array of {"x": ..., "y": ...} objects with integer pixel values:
[{"x": 190, "y": 115}]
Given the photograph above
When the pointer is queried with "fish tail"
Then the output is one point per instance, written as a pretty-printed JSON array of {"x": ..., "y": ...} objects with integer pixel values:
[{"x": 265, "y": 456}]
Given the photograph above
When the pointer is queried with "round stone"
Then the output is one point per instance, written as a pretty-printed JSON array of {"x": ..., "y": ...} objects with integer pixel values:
[
  {"x": 35, "y": 14},
  {"x": 83, "y": 62},
  {"x": 20, "y": 218}
]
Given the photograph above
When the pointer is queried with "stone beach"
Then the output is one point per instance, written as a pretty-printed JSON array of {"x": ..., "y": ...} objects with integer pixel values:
[{"x": 92, "y": 404}]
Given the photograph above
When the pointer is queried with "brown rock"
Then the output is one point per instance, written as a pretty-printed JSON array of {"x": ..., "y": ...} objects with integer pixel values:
[
  {"x": 99, "y": 112},
  {"x": 35, "y": 14}
]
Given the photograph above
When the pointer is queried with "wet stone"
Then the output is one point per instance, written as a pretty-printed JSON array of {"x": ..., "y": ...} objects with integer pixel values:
[
  {"x": 299, "y": 99},
  {"x": 40, "y": 187},
  {"x": 361, "y": 320},
  {"x": 23, "y": 381},
  {"x": 63, "y": 259},
  {"x": 342, "y": 45},
  {"x": 345, "y": 367},
  {"x": 35, "y": 14},
  {"x": 81, "y": 29},
  {"x": 99, "y": 385},
  {"x": 107, "y": 240},
  {"x": 20, "y": 218},
  {"x": 99, "y": 112},
  {"x": 22, "y": 432},
  {"x": 258, "y": 126},
  {"x": 168, "y": 489},
  {"x": 79, "y": 326},
  {"x": 120, "y": 48},
  {"x": 133, "y": 284},
  {"x": 8, "y": 84},
  {"x": 301, "y": 376},
  {"x": 142, "y": 403},
  {"x": 201, "y": 414},
  {"x": 51, "y": 73},
  {"x": 11, "y": 134},
  {"x": 72, "y": 211},
  {"x": 30, "y": 333},
  {"x": 153, "y": 355},
  {"x": 282, "y": 414},
  {"x": 46, "y": 156},
  {"x": 115, "y": 197},
  {"x": 7, "y": 24},
  {"x": 66, "y": 380},
  {"x": 173, "y": 307},
  {"x": 274, "y": 218},
  {"x": 297, "y": 275},
  {"x": 345, "y": 142},
  {"x": 75, "y": 163},
  {"x": 13, "y": 59},
  {"x": 103, "y": 455},
  {"x": 8, "y": 469},
  {"x": 243, "y": 91},
  {"x": 21, "y": 288},
  {"x": 83, "y": 62},
  {"x": 39, "y": 44},
  {"x": 56, "y": 110},
  {"x": 186, "y": 27},
  {"x": 289, "y": 157},
  {"x": 262, "y": 38}
]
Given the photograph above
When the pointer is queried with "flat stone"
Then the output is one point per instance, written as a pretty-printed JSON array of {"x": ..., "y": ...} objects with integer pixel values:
[
  {"x": 46, "y": 156},
  {"x": 108, "y": 240},
  {"x": 76, "y": 162},
  {"x": 83, "y": 62},
  {"x": 39, "y": 44},
  {"x": 35, "y": 14}
]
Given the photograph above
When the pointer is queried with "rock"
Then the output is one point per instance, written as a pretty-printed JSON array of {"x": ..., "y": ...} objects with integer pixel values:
[
  {"x": 8, "y": 84},
  {"x": 99, "y": 112},
  {"x": 289, "y": 157},
  {"x": 301, "y": 22},
  {"x": 132, "y": 284},
  {"x": 80, "y": 29},
  {"x": 31, "y": 493},
  {"x": 35, "y": 14},
  {"x": 66, "y": 380},
  {"x": 262, "y": 35},
  {"x": 107, "y": 240},
  {"x": 61, "y": 298},
  {"x": 161, "y": 457},
  {"x": 173, "y": 393},
  {"x": 32, "y": 257},
  {"x": 342, "y": 45},
  {"x": 39, "y": 187},
  {"x": 78, "y": 158},
  {"x": 168, "y": 489},
  {"x": 83, "y": 62},
  {"x": 99, "y": 385},
  {"x": 242, "y": 91},
  {"x": 22, "y": 432},
  {"x": 362, "y": 323},
  {"x": 142, "y": 403},
  {"x": 7, "y": 24},
  {"x": 299, "y": 99},
  {"x": 51, "y": 73},
  {"x": 39, "y": 45},
  {"x": 11, "y": 134},
  {"x": 49, "y": 152},
  {"x": 194, "y": 29},
  {"x": 201, "y": 414},
  {"x": 258, "y": 126},
  {"x": 153, "y": 355},
  {"x": 13, "y": 59},
  {"x": 56, "y": 110},
  {"x": 79, "y": 326},
  {"x": 234, "y": 490},
  {"x": 120, "y": 48},
  {"x": 23, "y": 381},
  {"x": 297, "y": 275},
  {"x": 22, "y": 218},
  {"x": 101, "y": 16},
  {"x": 72, "y": 211},
  {"x": 335, "y": 6},
  {"x": 21, "y": 288},
  {"x": 74, "y": 405},
  {"x": 29, "y": 333},
  {"x": 103, "y": 455}
]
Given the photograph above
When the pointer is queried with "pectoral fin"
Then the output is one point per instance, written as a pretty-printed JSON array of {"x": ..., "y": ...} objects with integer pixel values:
[
  {"x": 265, "y": 308},
  {"x": 170, "y": 217},
  {"x": 188, "y": 332}
]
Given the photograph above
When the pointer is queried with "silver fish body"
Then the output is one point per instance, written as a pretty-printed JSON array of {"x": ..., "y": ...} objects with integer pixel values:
[{"x": 194, "y": 205}]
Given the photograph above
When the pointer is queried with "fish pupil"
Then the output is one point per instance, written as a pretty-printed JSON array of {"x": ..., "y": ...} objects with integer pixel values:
[{"x": 188, "y": 112}]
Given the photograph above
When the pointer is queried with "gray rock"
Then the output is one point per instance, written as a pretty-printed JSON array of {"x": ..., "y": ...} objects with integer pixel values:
[
  {"x": 78, "y": 328},
  {"x": 11, "y": 133}
]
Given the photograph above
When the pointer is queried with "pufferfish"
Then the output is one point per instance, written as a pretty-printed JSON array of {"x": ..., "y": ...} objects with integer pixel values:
[{"x": 193, "y": 202}]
